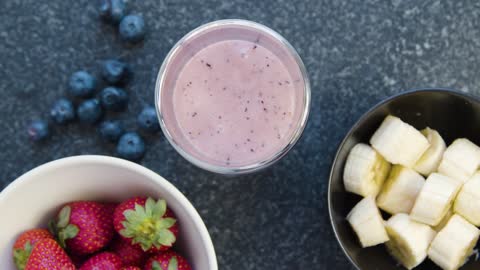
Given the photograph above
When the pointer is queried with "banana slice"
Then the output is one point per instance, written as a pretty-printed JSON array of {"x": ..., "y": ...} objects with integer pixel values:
[
  {"x": 453, "y": 245},
  {"x": 444, "y": 221},
  {"x": 400, "y": 190},
  {"x": 430, "y": 160},
  {"x": 467, "y": 203},
  {"x": 460, "y": 160},
  {"x": 365, "y": 171},
  {"x": 409, "y": 240},
  {"x": 435, "y": 198},
  {"x": 367, "y": 223},
  {"x": 399, "y": 142}
]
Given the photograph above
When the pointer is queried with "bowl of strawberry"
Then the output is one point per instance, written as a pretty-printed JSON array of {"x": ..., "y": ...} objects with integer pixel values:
[{"x": 102, "y": 213}]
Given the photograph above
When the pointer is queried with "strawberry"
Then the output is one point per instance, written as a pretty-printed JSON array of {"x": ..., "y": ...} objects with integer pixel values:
[
  {"x": 131, "y": 268},
  {"x": 130, "y": 255},
  {"x": 168, "y": 260},
  {"x": 83, "y": 227},
  {"x": 48, "y": 255},
  {"x": 146, "y": 223},
  {"x": 103, "y": 261},
  {"x": 25, "y": 243}
]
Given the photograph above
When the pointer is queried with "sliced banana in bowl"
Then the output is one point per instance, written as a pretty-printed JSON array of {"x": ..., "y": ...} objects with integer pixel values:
[
  {"x": 429, "y": 161},
  {"x": 399, "y": 142},
  {"x": 367, "y": 222},
  {"x": 435, "y": 199},
  {"x": 365, "y": 171},
  {"x": 379, "y": 174},
  {"x": 461, "y": 160},
  {"x": 467, "y": 203},
  {"x": 409, "y": 240},
  {"x": 453, "y": 245},
  {"x": 400, "y": 190}
]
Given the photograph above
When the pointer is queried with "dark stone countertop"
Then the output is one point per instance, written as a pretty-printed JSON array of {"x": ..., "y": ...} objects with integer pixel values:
[{"x": 357, "y": 52}]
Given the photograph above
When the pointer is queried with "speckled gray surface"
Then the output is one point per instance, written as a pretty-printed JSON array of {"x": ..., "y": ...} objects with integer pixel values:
[{"x": 357, "y": 52}]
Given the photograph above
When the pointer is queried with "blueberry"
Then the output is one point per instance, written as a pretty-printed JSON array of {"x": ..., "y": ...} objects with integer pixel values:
[
  {"x": 132, "y": 28},
  {"x": 89, "y": 111},
  {"x": 38, "y": 130},
  {"x": 111, "y": 131},
  {"x": 114, "y": 99},
  {"x": 112, "y": 10},
  {"x": 82, "y": 84},
  {"x": 116, "y": 72},
  {"x": 148, "y": 120},
  {"x": 131, "y": 146},
  {"x": 62, "y": 111}
]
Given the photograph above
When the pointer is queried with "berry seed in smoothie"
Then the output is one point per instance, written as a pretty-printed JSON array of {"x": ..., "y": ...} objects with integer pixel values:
[{"x": 233, "y": 96}]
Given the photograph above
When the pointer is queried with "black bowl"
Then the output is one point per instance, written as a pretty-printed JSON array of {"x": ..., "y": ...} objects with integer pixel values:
[{"x": 453, "y": 114}]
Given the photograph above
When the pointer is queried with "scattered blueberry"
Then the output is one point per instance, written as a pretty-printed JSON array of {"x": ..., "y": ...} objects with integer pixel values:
[
  {"x": 82, "y": 84},
  {"x": 114, "y": 99},
  {"x": 148, "y": 120},
  {"x": 111, "y": 131},
  {"x": 116, "y": 72},
  {"x": 62, "y": 111},
  {"x": 38, "y": 130},
  {"x": 132, "y": 28},
  {"x": 131, "y": 146},
  {"x": 89, "y": 111},
  {"x": 112, "y": 10}
]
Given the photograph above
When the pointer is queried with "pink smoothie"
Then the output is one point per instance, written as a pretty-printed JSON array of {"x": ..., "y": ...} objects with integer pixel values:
[{"x": 235, "y": 102}]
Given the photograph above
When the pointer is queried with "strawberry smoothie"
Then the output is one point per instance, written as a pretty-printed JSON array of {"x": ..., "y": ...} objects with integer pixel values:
[{"x": 233, "y": 96}]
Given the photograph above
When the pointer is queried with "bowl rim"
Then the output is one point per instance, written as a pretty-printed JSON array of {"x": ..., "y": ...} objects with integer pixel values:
[
  {"x": 362, "y": 118},
  {"x": 151, "y": 175}
]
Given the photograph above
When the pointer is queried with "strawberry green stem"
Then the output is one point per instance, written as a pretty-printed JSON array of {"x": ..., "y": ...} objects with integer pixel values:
[
  {"x": 147, "y": 226},
  {"x": 20, "y": 256},
  {"x": 173, "y": 264},
  {"x": 62, "y": 229}
]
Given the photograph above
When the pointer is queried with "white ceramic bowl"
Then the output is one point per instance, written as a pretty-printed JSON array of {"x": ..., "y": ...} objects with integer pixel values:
[{"x": 35, "y": 196}]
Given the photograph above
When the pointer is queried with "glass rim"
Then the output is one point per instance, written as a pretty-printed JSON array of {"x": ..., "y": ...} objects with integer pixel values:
[{"x": 235, "y": 170}]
